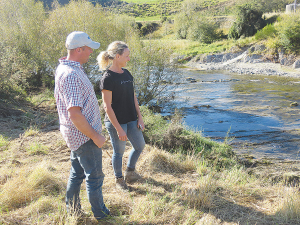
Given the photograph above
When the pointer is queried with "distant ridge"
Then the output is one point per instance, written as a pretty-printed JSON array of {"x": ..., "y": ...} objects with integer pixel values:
[{"x": 48, "y": 3}]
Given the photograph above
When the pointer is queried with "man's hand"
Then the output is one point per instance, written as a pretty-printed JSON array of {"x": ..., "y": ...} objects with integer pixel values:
[
  {"x": 99, "y": 141},
  {"x": 84, "y": 127}
]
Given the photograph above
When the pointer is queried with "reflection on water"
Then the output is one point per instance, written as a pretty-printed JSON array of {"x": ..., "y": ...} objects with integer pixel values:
[{"x": 253, "y": 110}]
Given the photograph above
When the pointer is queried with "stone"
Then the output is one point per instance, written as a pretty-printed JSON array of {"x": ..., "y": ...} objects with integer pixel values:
[
  {"x": 296, "y": 64},
  {"x": 259, "y": 48}
]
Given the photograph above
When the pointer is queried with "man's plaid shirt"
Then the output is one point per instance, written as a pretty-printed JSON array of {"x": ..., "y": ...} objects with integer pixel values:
[{"x": 73, "y": 88}]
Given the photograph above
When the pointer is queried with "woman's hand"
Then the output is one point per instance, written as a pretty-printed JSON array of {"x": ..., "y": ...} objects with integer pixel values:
[
  {"x": 140, "y": 124},
  {"x": 122, "y": 135}
]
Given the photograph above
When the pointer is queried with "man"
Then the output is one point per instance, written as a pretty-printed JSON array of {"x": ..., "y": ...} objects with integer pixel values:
[{"x": 80, "y": 124}]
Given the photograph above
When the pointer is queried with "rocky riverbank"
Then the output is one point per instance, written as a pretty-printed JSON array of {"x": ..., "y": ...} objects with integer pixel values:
[
  {"x": 250, "y": 60},
  {"x": 253, "y": 60}
]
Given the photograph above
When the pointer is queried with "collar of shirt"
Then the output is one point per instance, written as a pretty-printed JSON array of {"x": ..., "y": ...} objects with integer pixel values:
[{"x": 65, "y": 61}]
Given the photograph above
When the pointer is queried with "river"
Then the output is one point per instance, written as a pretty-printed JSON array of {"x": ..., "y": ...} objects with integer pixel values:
[{"x": 255, "y": 114}]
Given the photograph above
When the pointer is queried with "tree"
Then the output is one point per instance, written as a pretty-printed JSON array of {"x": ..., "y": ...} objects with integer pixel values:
[
  {"x": 155, "y": 76},
  {"x": 21, "y": 27},
  {"x": 248, "y": 22}
]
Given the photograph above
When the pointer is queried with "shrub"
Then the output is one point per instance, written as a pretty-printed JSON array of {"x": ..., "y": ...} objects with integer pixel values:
[
  {"x": 155, "y": 76},
  {"x": 198, "y": 28},
  {"x": 32, "y": 40},
  {"x": 22, "y": 36},
  {"x": 288, "y": 29},
  {"x": 249, "y": 21},
  {"x": 268, "y": 31},
  {"x": 148, "y": 28},
  {"x": 84, "y": 16},
  {"x": 205, "y": 31},
  {"x": 181, "y": 25}
]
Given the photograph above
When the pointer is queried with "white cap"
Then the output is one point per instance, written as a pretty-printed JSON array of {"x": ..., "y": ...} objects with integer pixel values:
[{"x": 78, "y": 39}]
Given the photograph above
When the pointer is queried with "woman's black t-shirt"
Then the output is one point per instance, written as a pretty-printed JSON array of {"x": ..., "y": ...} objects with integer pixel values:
[{"x": 121, "y": 86}]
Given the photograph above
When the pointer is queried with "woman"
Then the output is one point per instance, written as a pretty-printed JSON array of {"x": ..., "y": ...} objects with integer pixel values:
[{"x": 123, "y": 119}]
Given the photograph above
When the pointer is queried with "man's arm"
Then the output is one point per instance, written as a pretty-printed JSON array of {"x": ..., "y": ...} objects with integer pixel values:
[{"x": 84, "y": 127}]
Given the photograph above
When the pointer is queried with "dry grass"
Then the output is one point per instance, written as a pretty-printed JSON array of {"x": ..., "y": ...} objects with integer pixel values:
[
  {"x": 290, "y": 205},
  {"x": 176, "y": 189}
]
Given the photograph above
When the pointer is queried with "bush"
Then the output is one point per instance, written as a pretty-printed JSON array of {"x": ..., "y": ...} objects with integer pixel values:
[
  {"x": 32, "y": 40},
  {"x": 181, "y": 25},
  {"x": 22, "y": 34},
  {"x": 268, "y": 31},
  {"x": 148, "y": 28},
  {"x": 204, "y": 31},
  {"x": 288, "y": 29},
  {"x": 197, "y": 28},
  {"x": 249, "y": 21},
  {"x": 155, "y": 76}
]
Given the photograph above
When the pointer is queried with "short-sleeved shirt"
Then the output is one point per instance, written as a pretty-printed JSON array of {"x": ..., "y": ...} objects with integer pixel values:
[
  {"x": 73, "y": 88},
  {"x": 121, "y": 86}
]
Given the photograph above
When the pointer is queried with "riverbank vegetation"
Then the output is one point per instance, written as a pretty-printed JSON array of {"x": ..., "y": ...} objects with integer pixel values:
[{"x": 188, "y": 179}]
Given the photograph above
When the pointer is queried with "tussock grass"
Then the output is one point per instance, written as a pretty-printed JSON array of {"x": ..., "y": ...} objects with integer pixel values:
[
  {"x": 46, "y": 96},
  {"x": 26, "y": 187},
  {"x": 37, "y": 149},
  {"x": 208, "y": 219},
  {"x": 31, "y": 131},
  {"x": 4, "y": 142},
  {"x": 200, "y": 194},
  {"x": 290, "y": 205},
  {"x": 165, "y": 162}
]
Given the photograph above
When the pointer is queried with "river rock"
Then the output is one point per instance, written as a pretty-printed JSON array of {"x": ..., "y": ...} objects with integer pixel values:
[
  {"x": 254, "y": 58},
  {"x": 214, "y": 58},
  {"x": 294, "y": 104},
  {"x": 288, "y": 60},
  {"x": 230, "y": 56},
  {"x": 296, "y": 64},
  {"x": 192, "y": 80},
  {"x": 176, "y": 58},
  {"x": 259, "y": 48}
]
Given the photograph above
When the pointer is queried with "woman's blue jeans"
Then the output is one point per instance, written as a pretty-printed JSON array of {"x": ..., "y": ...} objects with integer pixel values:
[
  {"x": 86, "y": 163},
  {"x": 135, "y": 136}
]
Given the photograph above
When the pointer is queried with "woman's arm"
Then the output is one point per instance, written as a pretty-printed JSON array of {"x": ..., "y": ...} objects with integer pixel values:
[
  {"x": 140, "y": 124},
  {"x": 107, "y": 99}
]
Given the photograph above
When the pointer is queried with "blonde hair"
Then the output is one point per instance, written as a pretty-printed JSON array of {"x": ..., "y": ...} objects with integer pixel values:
[{"x": 105, "y": 57}]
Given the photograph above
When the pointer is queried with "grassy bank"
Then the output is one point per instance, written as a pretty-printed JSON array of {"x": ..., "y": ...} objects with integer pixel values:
[{"x": 188, "y": 179}]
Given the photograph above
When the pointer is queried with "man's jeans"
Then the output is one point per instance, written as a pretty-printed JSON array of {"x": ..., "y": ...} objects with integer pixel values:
[
  {"x": 135, "y": 136},
  {"x": 86, "y": 163}
]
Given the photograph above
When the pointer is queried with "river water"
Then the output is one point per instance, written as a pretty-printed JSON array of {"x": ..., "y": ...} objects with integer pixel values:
[{"x": 253, "y": 113}]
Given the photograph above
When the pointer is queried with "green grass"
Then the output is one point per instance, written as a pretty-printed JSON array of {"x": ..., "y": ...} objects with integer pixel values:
[
  {"x": 3, "y": 141},
  {"x": 148, "y": 1},
  {"x": 37, "y": 149},
  {"x": 143, "y": 1},
  {"x": 193, "y": 48},
  {"x": 149, "y": 18}
]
